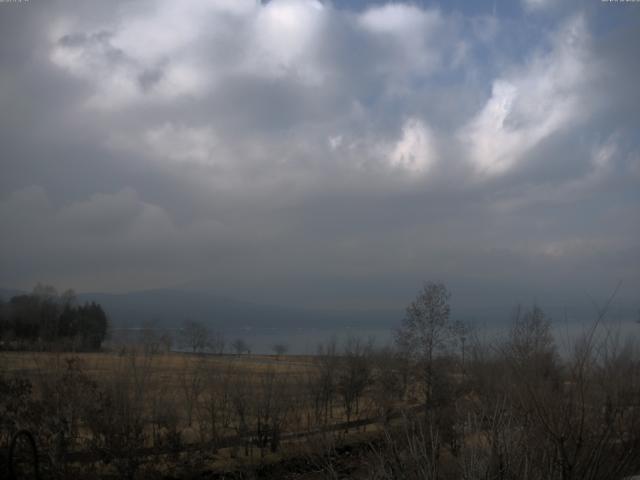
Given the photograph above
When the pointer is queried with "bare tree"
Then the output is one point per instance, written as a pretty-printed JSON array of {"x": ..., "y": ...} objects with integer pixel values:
[
  {"x": 217, "y": 342},
  {"x": 531, "y": 340},
  {"x": 215, "y": 410},
  {"x": 387, "y": 381},
  {"x": 540, "y": 419},
  {"x": 117, "y": 418},
  {"x": 272, "y": 403},
  {"x": 166, "y": 342},
  {"x": 149, "y": 339},
  {"x": 241, "y": 403},
  {"x": 240, "y": 346},
  {"x": 408, "y": 451},
  {"x": 354, "y": 375},
  {"x": 280, "y": 349},
  {"x": 195, "y": 335},
  {"x": 192, "y": 383},
  {"x": 427, "y": 331},
  {"x": 321, "y": 382}
]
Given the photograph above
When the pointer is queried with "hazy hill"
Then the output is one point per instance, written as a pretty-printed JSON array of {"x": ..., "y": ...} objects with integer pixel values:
[{"x": 170, "y": 307}]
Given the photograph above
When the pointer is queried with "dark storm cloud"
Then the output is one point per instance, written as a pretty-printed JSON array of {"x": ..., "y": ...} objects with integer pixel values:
[{"x": 299, "y": 151}]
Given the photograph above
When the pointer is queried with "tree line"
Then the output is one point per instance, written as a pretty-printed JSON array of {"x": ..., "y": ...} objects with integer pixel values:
[{"x": 44, "y": 319}]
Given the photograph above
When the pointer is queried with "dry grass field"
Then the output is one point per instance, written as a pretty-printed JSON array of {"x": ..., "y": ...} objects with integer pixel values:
[
  {"x": 233, "y": 410},
  {"x": 179, "y": 380},
  {"x": 167, "y": 365}
]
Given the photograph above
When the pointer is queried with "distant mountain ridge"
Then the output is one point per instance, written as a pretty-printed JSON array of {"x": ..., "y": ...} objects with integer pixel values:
[{"x": 169, "y": 308}]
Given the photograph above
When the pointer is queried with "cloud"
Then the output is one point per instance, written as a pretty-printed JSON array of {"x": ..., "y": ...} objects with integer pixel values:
[
  {"x": 284, "y": 39},
  {"x": 412, "y": 43},
  {"x": 163, "y": 51},
  {"x": 414, "y": 152},
  {"x": 109, "y": 232},
  {"x": 537, "y": 5},
  {"x": 103, "y": 214},
  {"x": 534, "y": 102},
  {"x": 155, "y": 52},
  {"x": 150, "y": 54},
  {"x": 319, "y": 146},
  {"x": 599, "y": 168},
  {"x": 172, "y": 142}
]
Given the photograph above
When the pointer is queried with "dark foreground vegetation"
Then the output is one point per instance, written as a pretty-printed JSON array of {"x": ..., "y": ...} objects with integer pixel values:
[{"x": 442, "y": 404}]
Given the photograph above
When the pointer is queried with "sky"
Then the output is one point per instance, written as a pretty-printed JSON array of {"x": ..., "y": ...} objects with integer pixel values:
[{"x": 322, "y": 153}]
